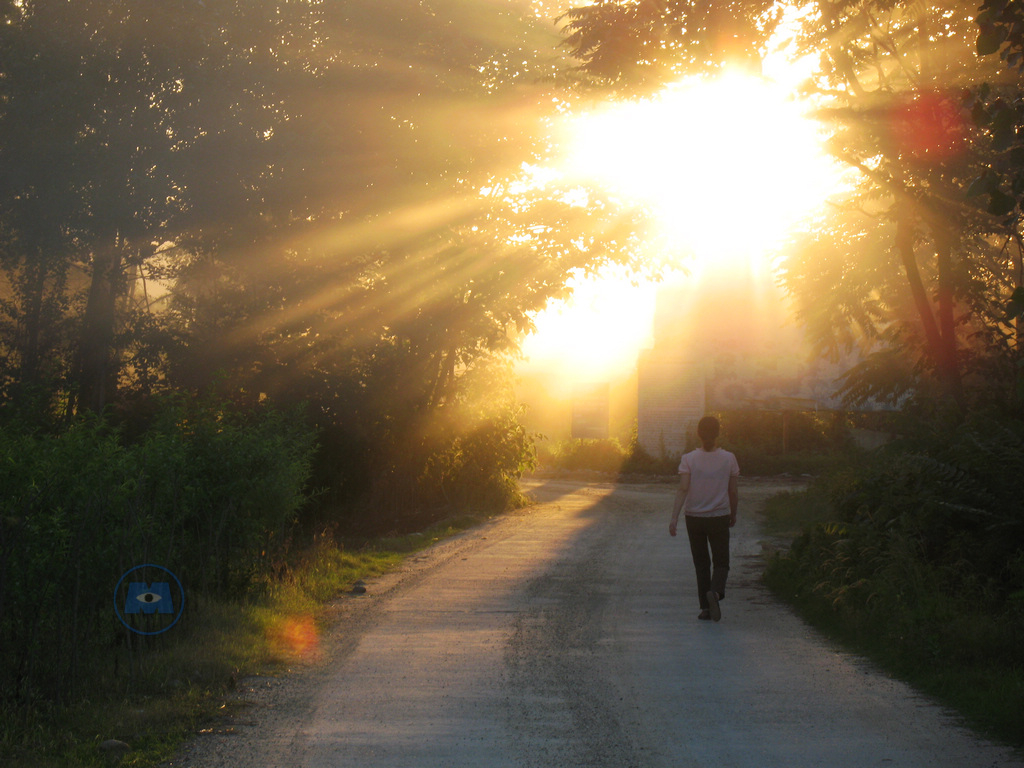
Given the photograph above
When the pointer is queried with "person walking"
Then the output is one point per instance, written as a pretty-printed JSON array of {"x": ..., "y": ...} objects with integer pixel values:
[{"x": 708, "y": 491}]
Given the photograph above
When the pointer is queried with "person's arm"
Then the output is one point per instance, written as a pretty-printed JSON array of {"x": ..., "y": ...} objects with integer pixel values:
[
  {"x": 734, "y": 499},
  {"x": 677, "y": 505}
]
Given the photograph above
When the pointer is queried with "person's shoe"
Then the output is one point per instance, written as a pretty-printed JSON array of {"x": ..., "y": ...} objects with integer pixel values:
[
  {"x": 715, "y": 609},
  {"x": 704, "y": 615}
]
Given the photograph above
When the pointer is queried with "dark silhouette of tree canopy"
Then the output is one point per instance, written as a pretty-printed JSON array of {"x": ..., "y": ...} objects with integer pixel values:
[
  {"x": 124, "y": 126},
  {"x": 229, "y": 130},
  {"x": 285, "y": 202}
]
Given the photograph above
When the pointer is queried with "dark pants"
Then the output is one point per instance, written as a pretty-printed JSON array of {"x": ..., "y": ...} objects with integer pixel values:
[{"x": 709, "y": 544}]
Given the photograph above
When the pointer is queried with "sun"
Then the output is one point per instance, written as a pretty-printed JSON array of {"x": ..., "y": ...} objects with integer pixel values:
[{"x": 728, "y": 165}]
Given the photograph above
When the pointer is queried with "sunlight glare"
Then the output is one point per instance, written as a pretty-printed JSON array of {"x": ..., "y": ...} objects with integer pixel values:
[
  {"x": 595, "y": 335},
  {"x": 729, "y": 165}
]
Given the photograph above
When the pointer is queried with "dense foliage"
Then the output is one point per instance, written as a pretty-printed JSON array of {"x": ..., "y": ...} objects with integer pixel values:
[
  {"x": 948, "y": 500},
  {"x": 301, "y": 207},
  {"x": 207, "y": 491},
  {"x": 920, "y": 563},
  {"x": 285, "y": 204}
]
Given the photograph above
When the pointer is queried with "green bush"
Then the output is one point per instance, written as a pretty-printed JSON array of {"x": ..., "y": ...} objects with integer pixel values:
[
  {"x": 639, "y": 461},
  {"x": 206, "y": 492},
  {"x": 478, "y": 462},
  {"x": 922, "y": 560},
  {"x": 756, "y": 463},
  {"x": 585, "y": 454},
  {"x": 226, "y": 484},
  {"x": 776, "y": 433},
  {"x": 62, "y": 532},
  {"x": 949, "y": 508},
  {"x": 394, "y": 460}
]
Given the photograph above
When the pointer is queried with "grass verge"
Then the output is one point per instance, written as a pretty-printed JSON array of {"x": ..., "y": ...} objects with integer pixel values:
[
  {"x": 947, "y": 644},
  {"x": 157, "y": 694}
]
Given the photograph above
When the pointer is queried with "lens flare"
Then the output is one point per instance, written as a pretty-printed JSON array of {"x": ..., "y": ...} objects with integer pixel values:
[
  {"x": 296, "y": 637},
  {"x": 928, "y": 127}
]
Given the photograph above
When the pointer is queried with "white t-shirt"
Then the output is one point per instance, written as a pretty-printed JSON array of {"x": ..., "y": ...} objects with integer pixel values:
[{"x": 709, "y": 473}]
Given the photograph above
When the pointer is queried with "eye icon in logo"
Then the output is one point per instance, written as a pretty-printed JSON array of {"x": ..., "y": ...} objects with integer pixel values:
[{"x": 149, "y": 599}]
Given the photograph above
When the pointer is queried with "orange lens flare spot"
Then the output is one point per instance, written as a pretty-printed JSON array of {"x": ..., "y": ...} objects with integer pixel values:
[
  {"x": 928, "y": 127},
  {"x": 296, "y": 637}
]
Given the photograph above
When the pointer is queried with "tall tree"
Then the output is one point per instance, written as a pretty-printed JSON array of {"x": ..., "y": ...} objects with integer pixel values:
[
  {"x": 891, "y": 86},
  {"x": 889, "y": 89},
  {"x": 330, "y": 197},
  {"x": 116, "y": 120},
  {"x": 232, "y": 130}
]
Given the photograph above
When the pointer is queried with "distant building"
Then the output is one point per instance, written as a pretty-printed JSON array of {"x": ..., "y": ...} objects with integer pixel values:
[
  {"x": 723, "y": 344},
  {"x": 591, "y": 411},
  {"x": 671, "y": 398}
]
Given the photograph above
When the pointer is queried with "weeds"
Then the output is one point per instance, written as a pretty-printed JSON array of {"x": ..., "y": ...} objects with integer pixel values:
[
  {"x": 180, "y": 683},
  {"x": 914, "y": 601},
  {"x": 207, "y": 491}
]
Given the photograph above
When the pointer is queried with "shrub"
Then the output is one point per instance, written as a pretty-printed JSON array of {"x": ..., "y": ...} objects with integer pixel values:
[
  {"x": 757, "y": 463},
  {"x": 227, "y": 485},
  {"x": 477, "y": 465},
  {"x": 922, "y": 563},
  {"x": 206, "y": 492},
  {"x": 586, "y": 454},
  {"x": 62, "y": 532},
  {"x": 639, "y": 461},
  {"x": 776, "y": 433}
]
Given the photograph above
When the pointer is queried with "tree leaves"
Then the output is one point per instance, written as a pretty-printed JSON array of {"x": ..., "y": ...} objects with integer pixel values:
[
  {"x": 1015, "y": 306},
  {"x": 941, "y": 184},
  {"x": 1001, "y": 29},
  {"x": 641, "y": 46}
]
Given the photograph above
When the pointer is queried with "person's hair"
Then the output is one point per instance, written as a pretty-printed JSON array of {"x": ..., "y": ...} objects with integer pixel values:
[{"x": 708, "y": 430}]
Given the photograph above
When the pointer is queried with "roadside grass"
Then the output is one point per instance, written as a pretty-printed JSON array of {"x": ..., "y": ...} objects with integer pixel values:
[
  {"x": 167, "y": 688},
  {"x": 957, "y": 649},
  {"x": 788, "y": 513}
]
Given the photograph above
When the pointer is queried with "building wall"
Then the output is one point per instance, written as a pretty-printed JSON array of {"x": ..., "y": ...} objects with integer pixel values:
[
  {"x": 670, "y": 400},
  {"x": 590, "y": 411}
]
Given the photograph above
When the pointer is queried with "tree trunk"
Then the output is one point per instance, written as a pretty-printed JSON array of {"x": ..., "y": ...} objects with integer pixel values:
[
  {"x": 443, "y": 377},
  {"x": 97, "y": 374},
  {"x": 35, "y": 288},
  {"x": 947, "y": 354},
  {"x": 905, "y": 246},
  {"x": 939, "y": 335}
]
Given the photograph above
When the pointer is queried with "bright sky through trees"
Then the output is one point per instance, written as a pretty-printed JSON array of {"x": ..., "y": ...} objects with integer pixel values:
[
  {"x": 594, "y": 335},
  {"x": 728, "y": 166}
]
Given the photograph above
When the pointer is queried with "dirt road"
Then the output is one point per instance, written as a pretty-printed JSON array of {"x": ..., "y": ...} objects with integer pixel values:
[{"x": 566, "y": 635}]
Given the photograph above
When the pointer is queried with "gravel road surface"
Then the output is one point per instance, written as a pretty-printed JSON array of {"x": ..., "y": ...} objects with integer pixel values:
[{"x": 566, "y": 635}]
